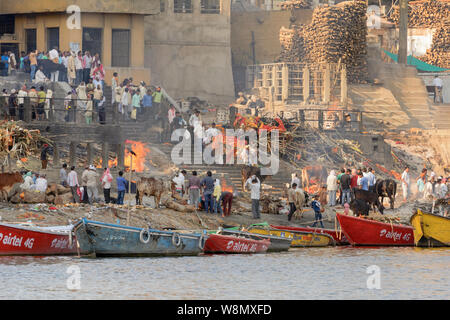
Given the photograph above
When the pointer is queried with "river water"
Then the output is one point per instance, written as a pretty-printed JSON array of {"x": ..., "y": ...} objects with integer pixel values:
[{"x": 303, "y": 273}]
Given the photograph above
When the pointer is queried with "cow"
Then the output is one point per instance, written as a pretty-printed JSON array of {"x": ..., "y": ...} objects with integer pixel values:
[
  {"x": 359, "y": 207},
  {"x": 151, "y": 187},
  {"x": 248, "y": 171},
  {"x": 7, "y": 181},
  {"x": 370, "y": 197},
  {"x": 386, "y": 188}
]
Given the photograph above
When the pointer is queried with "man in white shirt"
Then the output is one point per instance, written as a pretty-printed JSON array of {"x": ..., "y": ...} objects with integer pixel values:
[
  {"x": 23, "y": 93},
  {"x": 437, "y": 83},
  {"x": 255, "y": 185},
  {"x": 295, "y": 180},
  {"x": 72, "y": 181},
  {"x": 405, "y": 184},
  {"x": 210, "y": 133},
  {"x": 180, "y": 182}
]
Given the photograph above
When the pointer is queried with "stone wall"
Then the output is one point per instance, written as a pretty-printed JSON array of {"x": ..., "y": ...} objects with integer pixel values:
[{"x": 190, "y": 54}]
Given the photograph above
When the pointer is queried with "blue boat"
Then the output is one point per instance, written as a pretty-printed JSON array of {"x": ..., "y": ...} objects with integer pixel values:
[{"x": 104, "y": 239}]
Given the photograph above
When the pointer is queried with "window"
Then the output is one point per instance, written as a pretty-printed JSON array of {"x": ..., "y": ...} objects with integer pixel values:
[
  {"x": 6, "y": 24},
  {"x": 182, "y": 6},
  {"x": 162, "y": 5},
  {"x": 92, "y": 40},
  {"x": 210, "y": 6},
  {"x": 120, "y": 48},
  {"x": 30, "y": 35},
  {"x": 52, "y": 38}
]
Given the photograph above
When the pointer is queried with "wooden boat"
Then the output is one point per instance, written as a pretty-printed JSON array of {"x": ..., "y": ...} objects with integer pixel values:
[
  {"x": 277, "y": 244},
  {"x": 338, "y": 237},
  {"x": 430, "y": 230},
  {"x": 366, "y": 232},
  {"x": 298, "y": 238},
  {"x": 104, "y": 239},
  {"x": 218, "y": 243},
  {"x": 37, "y": 241}
]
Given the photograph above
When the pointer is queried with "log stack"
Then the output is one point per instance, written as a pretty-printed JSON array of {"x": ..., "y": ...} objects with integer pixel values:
[
  {"x": 425, "y": 14},
  {"x": 336, "y": 34},
  {"x": 296, "y": 4},
  {"x": 292, "y": 44},
  {"x": 439, "y": 53}
]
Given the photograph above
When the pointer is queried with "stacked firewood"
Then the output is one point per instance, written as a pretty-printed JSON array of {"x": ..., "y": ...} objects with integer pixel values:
[
  {"x": 427, "y": 13},
  {"x": 296, "y": 4},
  {"x": 292, "y": 44},
  {"x": 336, "y": 34},
  {"x": 439, "y": 53}
]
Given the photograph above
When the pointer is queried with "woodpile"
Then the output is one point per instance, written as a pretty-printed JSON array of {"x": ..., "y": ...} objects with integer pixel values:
[
  {"x": 439, "y": 53},
  {"x": 55, "y": 194},
  {"x": 18, "y": 142},
  {"x": 426, "y": 14},
  {"x": 296, "y": 4},
  {"x": 337, "y": 34},
  {"x": 292, "y": 44}
]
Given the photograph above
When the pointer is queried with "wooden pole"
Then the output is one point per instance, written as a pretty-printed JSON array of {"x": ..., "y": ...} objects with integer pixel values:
[{"x": 403, "y": 33}]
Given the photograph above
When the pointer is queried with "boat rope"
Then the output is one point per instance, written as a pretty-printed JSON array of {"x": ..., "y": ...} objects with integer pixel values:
[{"x": 201, "y": 242}]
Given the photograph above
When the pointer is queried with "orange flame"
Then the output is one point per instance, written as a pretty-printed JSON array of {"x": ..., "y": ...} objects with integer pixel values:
[
  {"x": 134, "y": 161},
  {"x": 225, "y": 187}
]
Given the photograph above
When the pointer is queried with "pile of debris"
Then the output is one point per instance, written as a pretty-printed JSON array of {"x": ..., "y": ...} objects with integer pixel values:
[
  {"x": 18, "y": 143},
  {"x": 55, "y": 194},
  {"x": 426, "y": 13},
  {"x": 337, "y": 34}
]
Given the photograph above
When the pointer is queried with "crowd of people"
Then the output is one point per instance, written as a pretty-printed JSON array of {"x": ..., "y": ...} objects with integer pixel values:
[
  {"x": 205, "y": 194},
  {"x": 338, "y": 189}
]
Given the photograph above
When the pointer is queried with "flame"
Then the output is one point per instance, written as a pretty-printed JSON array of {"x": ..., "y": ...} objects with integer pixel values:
[
  {"x": 225, "y": 187},
  {"x": 24, "y": 159},
  {"x": 135, "y": 162}
]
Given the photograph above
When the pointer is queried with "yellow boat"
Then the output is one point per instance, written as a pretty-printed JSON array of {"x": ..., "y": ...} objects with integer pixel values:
[
  {"x": 430, "y": 230},
  {"x": 299, "y": 238}
]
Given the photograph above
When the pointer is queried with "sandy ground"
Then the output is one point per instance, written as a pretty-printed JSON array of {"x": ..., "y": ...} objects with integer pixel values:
[{"x": 162, "y": 218}]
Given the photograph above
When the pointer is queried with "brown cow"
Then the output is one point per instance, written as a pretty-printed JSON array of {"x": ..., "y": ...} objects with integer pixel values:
[
  {"x": 151, "y": 187},
  {"x": 7, "y": 181}
]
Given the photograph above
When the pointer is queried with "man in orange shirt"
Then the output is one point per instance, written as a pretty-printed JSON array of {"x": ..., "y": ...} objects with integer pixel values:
[{"x": 33, "y": 63}]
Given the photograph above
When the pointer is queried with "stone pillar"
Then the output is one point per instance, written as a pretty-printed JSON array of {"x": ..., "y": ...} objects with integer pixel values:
[
  {"x": 56, "y": 159},
  {"x": 344, "y": 90},
  {"x": 120, "y": 152},
  {"x": 305, "y": 85},
  {"x": 105, "y": 154},
  {"x": 27, "y": 110},
  {"x": 72, "y": 154},
  {"x": 326, "y": 84},
  {"x": 89, "y": 153},
  {"x": 285, "y": 83},
  {"x": 320, "y": 123}
]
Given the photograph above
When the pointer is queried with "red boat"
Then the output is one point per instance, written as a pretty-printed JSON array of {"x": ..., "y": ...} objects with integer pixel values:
[
  {"x": 365, "y": 232},
  {"x": 37, "y": 241},
  {"x": 339, "y": 237},
  {"x": 217, "y": 243}
]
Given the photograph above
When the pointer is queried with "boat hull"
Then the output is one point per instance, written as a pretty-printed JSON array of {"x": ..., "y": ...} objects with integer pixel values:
[
  {"x": 338, "y": 237},
  {"x": 430, "y": 230},
  {"x": 102, "y": 239},
  {"x": 21, "y": 240},
  {"x": 217, "y": 243},
  {"x": 277, "y": 244},
  {"x": 365, "y": 232},
  {"x": 298, "y": 239}
]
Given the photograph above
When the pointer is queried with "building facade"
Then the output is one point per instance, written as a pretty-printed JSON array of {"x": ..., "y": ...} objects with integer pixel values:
[{"x": 113, "y": 29}]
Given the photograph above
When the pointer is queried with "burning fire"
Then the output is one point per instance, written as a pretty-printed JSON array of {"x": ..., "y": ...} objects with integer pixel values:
[
  {"x": 134, "y": 159},
  {"x": 225, "y": 187}
]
